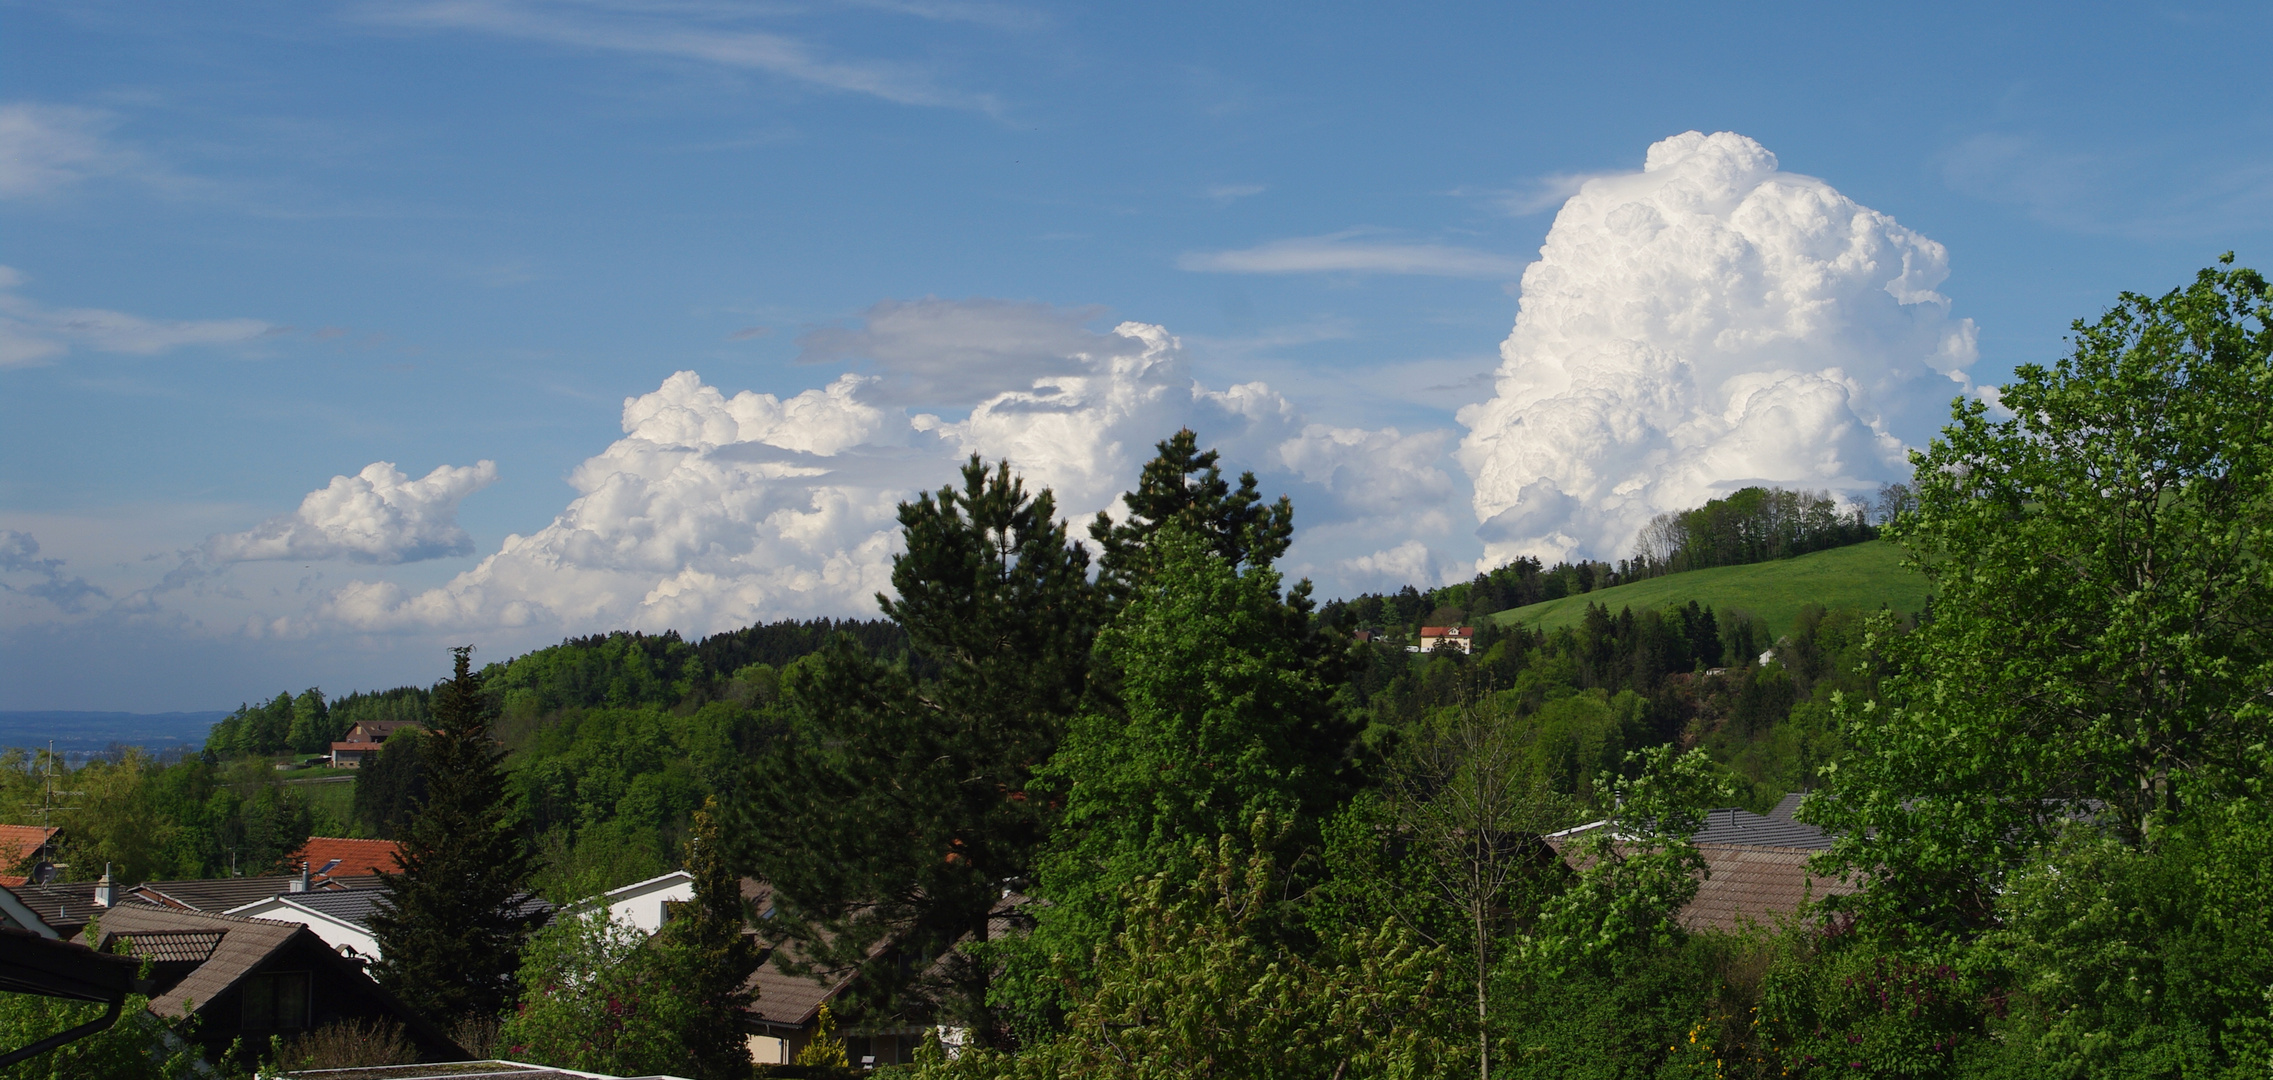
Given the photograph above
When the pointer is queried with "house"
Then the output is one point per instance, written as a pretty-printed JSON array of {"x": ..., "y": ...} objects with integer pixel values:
[
  {"x": 1462, "y": 638},
  {"x": 1756, "y": 867},
  {"x": 70, "y": 905},
  {"x": 342, "y": 917},
  {"x": 781, "y": 1022},
  {"x": 17, "y": 915},
  {"x": 248, "y": 979},
  {"x": 362, "y": 742},
  {"x": 26, "y": 852},
  {"x": 223, "y": 894},
  {"x": 648, "y": 904}
]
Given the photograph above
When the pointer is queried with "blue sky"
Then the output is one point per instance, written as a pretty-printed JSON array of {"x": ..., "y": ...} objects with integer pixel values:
[{"x": 252, "y": 248}]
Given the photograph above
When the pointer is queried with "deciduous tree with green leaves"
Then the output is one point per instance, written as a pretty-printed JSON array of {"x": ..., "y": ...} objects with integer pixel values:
[
  {"x": 1198, "y": 980},
  {"x": 1220, "y": 717},
  {"x": 2101, "y": 636}
]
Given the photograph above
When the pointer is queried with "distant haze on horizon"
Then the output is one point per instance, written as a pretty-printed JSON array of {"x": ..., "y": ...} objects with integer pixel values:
[{"x": 329, "y": 342}]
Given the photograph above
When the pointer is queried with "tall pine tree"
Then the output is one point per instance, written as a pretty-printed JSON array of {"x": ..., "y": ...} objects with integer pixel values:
[
  {"x": 895, "y": 810},
  {"x": 450, "y": 926},
  {"x": 1183, "y": 484},
  {"x": 718, "y": 952}
]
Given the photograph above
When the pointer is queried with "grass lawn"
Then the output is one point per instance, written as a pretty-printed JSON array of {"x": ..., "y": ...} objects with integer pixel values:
[{"x": 1863, "y": 575}]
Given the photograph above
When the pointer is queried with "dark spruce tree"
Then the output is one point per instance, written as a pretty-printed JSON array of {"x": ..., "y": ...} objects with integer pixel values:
[
  {"x": 895, "y": 810},
  {"x": 450, "y": 925},
  {"x": 718, "y": 951}
]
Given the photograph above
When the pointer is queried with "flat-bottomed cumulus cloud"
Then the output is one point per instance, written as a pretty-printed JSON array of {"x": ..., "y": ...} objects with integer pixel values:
[
  {"x": 1707, "y": 323},
  {"x": 378, "y": 515},
  {"x": 713, "y": 512}
]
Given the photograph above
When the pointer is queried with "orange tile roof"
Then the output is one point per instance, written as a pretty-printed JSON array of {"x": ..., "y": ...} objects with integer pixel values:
[
  {"x": 19, "y": 844},
  {"x": 356, "y": 857}
]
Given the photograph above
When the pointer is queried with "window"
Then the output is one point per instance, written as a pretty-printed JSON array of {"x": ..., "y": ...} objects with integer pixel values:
[{"x": 276, "y": 1002}]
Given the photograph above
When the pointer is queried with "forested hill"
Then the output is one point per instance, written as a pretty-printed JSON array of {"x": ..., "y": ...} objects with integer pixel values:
[{"x": 616, "y": 738}]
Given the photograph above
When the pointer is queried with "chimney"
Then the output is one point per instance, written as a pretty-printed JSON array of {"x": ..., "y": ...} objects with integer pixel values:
[
  {"x": 300, "y": 884},
  {"x": 102, "y": 888}
]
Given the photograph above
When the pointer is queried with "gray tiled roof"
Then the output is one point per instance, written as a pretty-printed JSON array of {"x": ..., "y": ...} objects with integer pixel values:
[
  {"x": 346, "y": 905},
  {"x": 61, "y": 903},
  {"x": 1732, "y": 826},
  {"x": 221, "y": 894}
]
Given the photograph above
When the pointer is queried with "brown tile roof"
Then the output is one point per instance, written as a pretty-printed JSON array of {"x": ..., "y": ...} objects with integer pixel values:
[
  {"x": 355, "y": 856},
  {"x": 457, "y": 1070},
  {"x": 1756, "y": 884},
  {"x": 785, "y": 999},
  {"x": 244, "y": 944},
  {"x": 169, "y": 946}
]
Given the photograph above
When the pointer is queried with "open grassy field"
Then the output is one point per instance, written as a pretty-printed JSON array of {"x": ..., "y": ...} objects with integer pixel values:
[{"x": 1861, "y": 575}]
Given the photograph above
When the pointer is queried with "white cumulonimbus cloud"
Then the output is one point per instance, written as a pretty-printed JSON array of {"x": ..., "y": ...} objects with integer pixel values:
[
  {"x": 713, "y": 512},
  {"x": 1704, "y": 324},
  {"x": 378, "y": 515}
]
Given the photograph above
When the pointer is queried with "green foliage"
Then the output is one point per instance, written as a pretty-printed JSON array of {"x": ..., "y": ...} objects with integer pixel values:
[
  {"x": 614, "y": 788},
  {"x": 311, "y": 731},
  {"x": 135, "y": 1047},
  {"x": 1751, "y": 525},
  {"x": 1471, "y": 817},
  {"x": 600, "y": 996},
  {"x": 449, "y": 928},
  {"x": 1199, "y": 982},
  {"x": 1634, "y": 873},
  {"x": 824, "y": 1050},
  {"x": 2100, "y": 636},
  {"x": 1220, "y": 720},
  {"x": 1840, "y": 1003},
  {"x": 391, "y": 783},
  {"x": 618, "y": 670},
  {"x": 2128, "y": 962},
  {"x": 189, "y": 819}
]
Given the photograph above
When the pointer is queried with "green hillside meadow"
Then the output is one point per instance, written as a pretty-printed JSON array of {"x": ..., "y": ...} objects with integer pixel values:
[{"x": 1864, "y": 575}]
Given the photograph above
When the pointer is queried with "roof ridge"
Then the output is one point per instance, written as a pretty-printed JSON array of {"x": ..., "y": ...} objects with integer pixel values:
[{"x": 190, "y": 913}]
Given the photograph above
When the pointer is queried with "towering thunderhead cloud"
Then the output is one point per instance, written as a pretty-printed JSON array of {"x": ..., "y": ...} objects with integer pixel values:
[{"x": 1701, "y": 325}]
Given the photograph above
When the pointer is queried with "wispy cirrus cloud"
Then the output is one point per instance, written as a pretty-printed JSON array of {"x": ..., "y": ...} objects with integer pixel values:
[
  {"x": 32, "y": 333},
  {"x": 698, "y": 33},
  {"x": 1348, "y": 252},
  {"x": 1536, "y": 195},
  {"x": 45, "y": 149},
  {"x": 2144, "y": 191}
]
